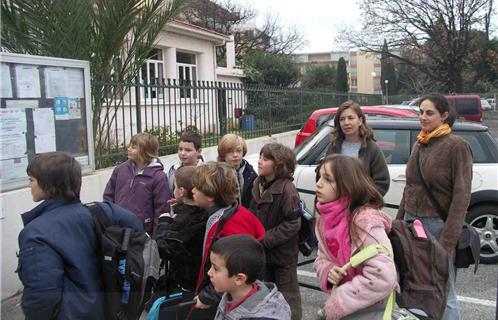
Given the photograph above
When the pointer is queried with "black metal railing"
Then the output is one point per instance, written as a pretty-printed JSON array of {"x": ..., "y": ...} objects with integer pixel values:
[{"x": 167, "y": 108}]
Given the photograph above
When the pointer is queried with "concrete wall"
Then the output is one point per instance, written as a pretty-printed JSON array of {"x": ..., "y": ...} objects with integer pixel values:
[
  {"x": 491, "y": 121},
  {"x": 16, "y": 202}
]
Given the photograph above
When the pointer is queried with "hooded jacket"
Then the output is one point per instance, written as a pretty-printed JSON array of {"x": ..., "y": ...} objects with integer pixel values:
[
  {"x": 58, "y": 265},
  {"x": 378, "y": 275},
  {"x": 245, "y": 176},
  {"x": 145, "y": 193},
  {"x": 267, "y": 303}
]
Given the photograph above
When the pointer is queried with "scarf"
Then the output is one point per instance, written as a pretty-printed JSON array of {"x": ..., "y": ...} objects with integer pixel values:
[
  {"x": 335, "y": 231},
  {"x": 441, "y": 131}
]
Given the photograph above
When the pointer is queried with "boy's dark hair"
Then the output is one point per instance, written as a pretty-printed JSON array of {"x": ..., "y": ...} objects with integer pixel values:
[
  {"x": 193, "y": 137},
  {"x": 58, "y": 174},
  {"x": 218, "y": 181},
  {"x": 183, "y": 179},
  {"x": 242, "y": 254},
  {"x": 282, "y": 157}
]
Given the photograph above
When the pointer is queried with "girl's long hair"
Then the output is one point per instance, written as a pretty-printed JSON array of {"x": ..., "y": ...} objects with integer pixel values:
[{"x": 337, "y": 138}]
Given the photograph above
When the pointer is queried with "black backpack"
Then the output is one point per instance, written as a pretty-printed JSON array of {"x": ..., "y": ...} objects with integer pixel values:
[
  {"x": 423, "y": 270},
  {"x": 129, "y": 265},
  {"x": 307, "y": 238}
]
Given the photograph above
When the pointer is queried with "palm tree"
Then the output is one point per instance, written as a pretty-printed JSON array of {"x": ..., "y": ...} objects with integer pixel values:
[{"x": 116, "y": 36}]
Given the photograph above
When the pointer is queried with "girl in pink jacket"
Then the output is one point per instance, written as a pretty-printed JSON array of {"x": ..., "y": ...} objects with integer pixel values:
[{"x": 350, "y": 220}]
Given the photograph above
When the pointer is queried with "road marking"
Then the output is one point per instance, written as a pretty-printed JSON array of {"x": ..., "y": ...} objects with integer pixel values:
[{"x": 482, "y": 302}]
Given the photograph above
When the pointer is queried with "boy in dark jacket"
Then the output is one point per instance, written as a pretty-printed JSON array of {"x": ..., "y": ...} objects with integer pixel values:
[
  {"x": 216, "y": 189},
  {"x": 58, "y": 265},
  {"x": 179, "y": 236},
  {"x": 275, "y": 201},
  {"x": 236, "y": 265}
]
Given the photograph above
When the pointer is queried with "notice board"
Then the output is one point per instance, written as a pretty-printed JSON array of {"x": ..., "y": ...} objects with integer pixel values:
[{"x": 44, "y": 107}]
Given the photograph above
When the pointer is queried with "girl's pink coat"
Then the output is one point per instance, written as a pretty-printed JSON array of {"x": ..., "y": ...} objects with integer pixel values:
[{"x": 378, "y": 274}]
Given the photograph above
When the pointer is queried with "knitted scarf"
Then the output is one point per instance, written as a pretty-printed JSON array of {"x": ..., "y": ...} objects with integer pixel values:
[
  {"x": 335, "y": 231},
  {"x": 441, "y": 131}
]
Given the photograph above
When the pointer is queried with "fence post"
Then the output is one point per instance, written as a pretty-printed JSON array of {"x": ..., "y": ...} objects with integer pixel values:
[
  {"x": 222, "y": 109},
  {"x": 137, "y": 105},
  {"x": 270, "y": 123}
]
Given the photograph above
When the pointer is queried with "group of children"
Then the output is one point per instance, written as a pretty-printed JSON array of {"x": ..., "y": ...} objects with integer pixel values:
[{"x": 228, "y": 228}]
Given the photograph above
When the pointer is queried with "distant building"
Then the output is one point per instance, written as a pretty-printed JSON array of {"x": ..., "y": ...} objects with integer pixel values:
[{"x": 363, "y": 67}]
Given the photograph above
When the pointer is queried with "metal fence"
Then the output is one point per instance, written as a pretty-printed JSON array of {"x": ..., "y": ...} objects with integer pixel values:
[{"x": 169, "y": 107}]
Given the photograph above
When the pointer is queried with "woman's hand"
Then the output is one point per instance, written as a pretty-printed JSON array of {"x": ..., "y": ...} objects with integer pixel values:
[
  {"x": 199, "y": 304},
  {"x": 336, "y": 274}
]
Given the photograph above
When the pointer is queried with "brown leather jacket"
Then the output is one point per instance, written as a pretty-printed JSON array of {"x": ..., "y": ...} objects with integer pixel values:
[{"x": 276, "y": 208}]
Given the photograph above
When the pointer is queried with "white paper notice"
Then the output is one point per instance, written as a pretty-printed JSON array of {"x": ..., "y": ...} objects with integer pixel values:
[
  {"x": 55, "y": 82},
  {"x": 5, "y": 84},
  {"x": 13, "y": 168},
  {"x": 44, "y": 123},
  {"x": 12, "y": 133},
  {"x": 21, "y": 104},
  {"x": 74, "y": 83},
  {"x": 27, "y": 81}
]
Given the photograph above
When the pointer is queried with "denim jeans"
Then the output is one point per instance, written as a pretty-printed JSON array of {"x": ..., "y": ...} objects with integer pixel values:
[{"x": 435, "y": 226}]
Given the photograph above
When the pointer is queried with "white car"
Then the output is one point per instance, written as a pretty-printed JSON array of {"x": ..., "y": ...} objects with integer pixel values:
[
  {"x": 396, "y": 138},
  {"x": 485, "y": 105}
]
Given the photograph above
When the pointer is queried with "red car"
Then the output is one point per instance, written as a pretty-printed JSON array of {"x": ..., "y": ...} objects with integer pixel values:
[{"x": 320, "y": 116}]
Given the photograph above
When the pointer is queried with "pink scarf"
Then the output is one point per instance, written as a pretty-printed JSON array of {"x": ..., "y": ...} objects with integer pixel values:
[{"x": 335, "y": 230}]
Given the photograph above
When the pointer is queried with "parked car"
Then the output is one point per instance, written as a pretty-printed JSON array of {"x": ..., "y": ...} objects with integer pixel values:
[
  {"x": 485, "y": 105},
  {"x": 396, "y": 137},
  {"x": 492, "y": 102},
  {"x": 467, "y": 107},
  {"x": 318, "y": 117}
]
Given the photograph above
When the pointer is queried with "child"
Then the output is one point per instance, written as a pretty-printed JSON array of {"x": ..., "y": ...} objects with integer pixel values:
[
  {"x": 350, "y": 219},
  {"x": 189, "y": 153},
  {"x": 216, "y": 189},
  {"x": 179, "y": 237},
  {"x": 232, "y": 150},
  {"x": 236, "y": 264},
  {"x": 140, "y": 184},
  {"x": 275, "y": 201}
]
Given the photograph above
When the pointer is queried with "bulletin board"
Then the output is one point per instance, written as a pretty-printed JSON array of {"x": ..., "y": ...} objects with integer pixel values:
[{"x": 44, "y": 107}]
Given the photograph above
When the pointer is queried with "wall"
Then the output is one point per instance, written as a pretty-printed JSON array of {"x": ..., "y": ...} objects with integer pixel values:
[{"x": 13, "y": 203}]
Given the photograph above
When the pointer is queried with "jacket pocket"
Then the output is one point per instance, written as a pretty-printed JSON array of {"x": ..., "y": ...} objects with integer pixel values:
[{"x": 26, "y": 257}]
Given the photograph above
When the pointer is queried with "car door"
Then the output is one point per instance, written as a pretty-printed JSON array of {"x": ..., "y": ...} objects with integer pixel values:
[{"x": 395, "y": 145}]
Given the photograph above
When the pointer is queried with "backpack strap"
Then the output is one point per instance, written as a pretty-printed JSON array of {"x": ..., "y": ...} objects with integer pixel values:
[
  {"x": 98, "y": 215},
  {"x": 362, "y": 256}
]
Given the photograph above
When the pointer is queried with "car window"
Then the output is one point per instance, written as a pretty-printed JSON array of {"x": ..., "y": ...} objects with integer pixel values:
[
  {"x": 303, "y": 151},
  {"x": 466, "y": 105},
  {"x": 478, "y": 151},
  {"x": 323, "y": 118},
  {"x": 395, "y": 145}
]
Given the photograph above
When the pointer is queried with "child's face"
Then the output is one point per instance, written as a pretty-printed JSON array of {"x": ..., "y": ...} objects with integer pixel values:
[
  {"x": 234, "y": 157},
  {"x": 326, "y": 186},
  {"x": 266, "y": 167},
  {"x": 133, "y": 152},
  {"x": 178, "y": 193},
  {"x": 188, "y": 154},
  {"x": 201, "y": 199},
  {"x": 36, "y": 192},
  {"x": 218, "y": 273}
]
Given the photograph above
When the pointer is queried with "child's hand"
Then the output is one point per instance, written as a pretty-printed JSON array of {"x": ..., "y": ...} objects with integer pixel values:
[
  {"x": 336, "y": 274},
  {"x": 172, "y": 202},
  {"x": 199, "y": 304}
]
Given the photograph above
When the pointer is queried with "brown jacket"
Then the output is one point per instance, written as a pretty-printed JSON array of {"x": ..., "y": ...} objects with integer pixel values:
[
  {"x": 277, "y": 208},
  {"x": 446, "y": 165}
]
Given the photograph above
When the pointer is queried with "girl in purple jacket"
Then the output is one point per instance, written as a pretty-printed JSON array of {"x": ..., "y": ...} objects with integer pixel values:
[
  {"x": 140, "y": 184},
  {"x": 350, "y": 220}
]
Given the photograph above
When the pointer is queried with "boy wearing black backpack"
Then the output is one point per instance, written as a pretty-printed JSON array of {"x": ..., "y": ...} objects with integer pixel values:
[{"x": 58, "y": 264}]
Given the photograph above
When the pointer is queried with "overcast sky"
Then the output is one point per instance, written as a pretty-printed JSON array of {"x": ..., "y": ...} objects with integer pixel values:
[{"x": 319, "y": 19}]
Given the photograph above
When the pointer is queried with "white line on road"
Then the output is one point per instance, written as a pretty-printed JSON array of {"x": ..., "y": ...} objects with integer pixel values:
[{"x": 482, "y": 302}]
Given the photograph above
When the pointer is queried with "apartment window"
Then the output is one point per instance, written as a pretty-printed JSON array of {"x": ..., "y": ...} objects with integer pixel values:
[
  {"x": 187, "y": 73},
  {"x": 151, "y": 74}
]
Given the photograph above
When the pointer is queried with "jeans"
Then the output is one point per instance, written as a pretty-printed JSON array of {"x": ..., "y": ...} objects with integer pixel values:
[{"x": 435, "y": 226}]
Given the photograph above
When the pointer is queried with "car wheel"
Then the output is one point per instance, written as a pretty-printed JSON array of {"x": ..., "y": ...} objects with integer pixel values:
[{"x": 485, "y": 219}]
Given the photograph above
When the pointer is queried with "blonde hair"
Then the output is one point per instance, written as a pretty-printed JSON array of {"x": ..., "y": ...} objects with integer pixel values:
[
  {"x": 228, "y": 143},
  {"x": 217, "y": 180},
  {"x": 148, "y": 146}
]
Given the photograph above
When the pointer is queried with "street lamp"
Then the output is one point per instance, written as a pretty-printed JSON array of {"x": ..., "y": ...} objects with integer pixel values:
[{"x": 387, "y": 92}]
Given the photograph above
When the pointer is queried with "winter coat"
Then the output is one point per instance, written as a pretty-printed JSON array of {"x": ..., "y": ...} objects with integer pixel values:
[
  {"x": 277, "y": 209},
  {"x": 374, "y": 161},
  {"x": 265, "y": 304},
  {"x": 234, "y": 220},
  {"x": 172, "y": 173},
  {"x": 57, "y": 262},
  {"x": 245, "y": 176},
  {"x": 179, "y": 241},
  {"x": 378, "y": 275},
  {"x": 446, "y": 165},
  {"x": 144, "y": 193}
]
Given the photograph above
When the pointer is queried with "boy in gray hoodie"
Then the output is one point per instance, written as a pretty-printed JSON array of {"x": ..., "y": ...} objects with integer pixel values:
[{"x": 236, "y": 263}]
